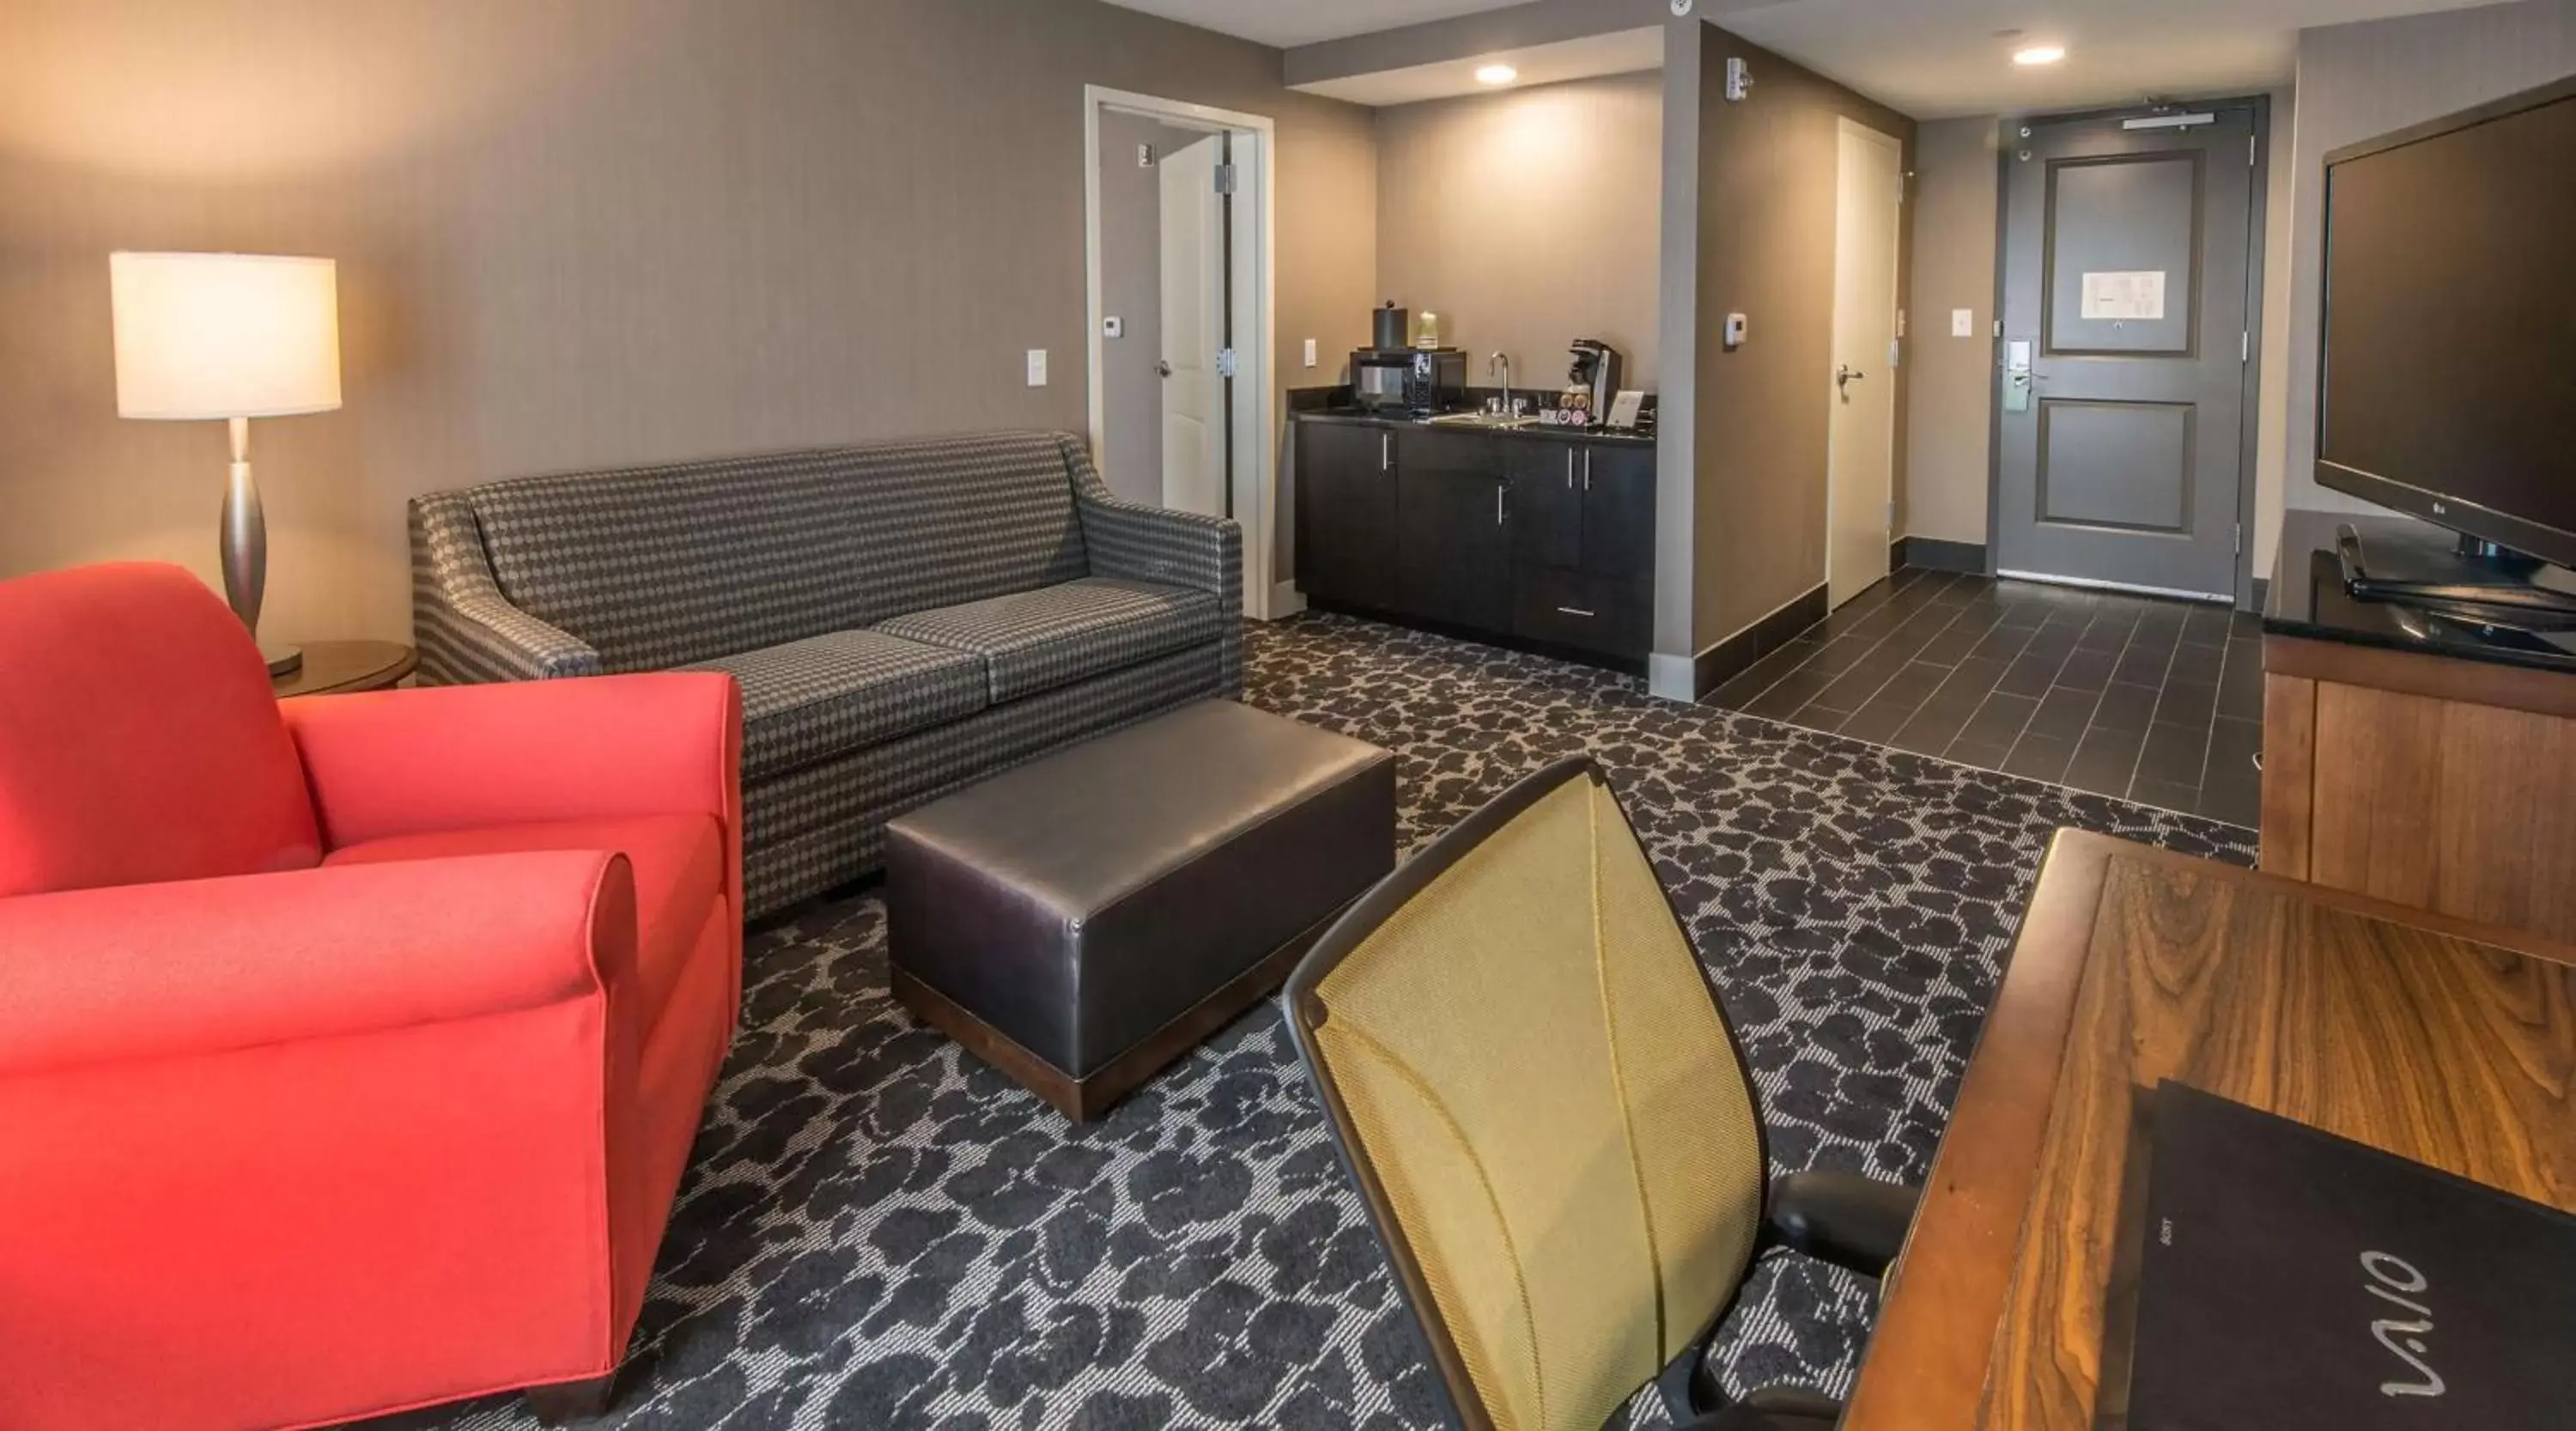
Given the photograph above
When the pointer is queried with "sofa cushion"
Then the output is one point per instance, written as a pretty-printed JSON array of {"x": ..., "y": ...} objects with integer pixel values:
[
  {"x": 678, "y": 862},
  {"x": 662, "y": 566},
  {"x": 827, "y": 695},
  {"x": 1038, "y": 640}
]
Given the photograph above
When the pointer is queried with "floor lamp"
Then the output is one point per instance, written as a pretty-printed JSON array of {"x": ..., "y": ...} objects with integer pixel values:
[{"x": 201, "y": 336}]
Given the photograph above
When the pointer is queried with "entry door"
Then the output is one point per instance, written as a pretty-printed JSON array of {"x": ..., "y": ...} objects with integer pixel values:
[
  {"x": 1861, "y": 457},
  {"x": 2128, "y": 254},
  {"x": 1194, "y": 310}
]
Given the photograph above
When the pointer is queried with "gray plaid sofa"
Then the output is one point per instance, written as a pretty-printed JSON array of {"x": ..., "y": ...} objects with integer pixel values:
[{"x": 904, "y": 617}]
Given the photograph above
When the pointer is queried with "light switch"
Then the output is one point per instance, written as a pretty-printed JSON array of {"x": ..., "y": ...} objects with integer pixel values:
[
  {"x": 1963, "y": 322},
  {"x": 1037, "y": 367},
  {"x": 1310, "y": 352},
  {"x": 1113, "y": 327},
  {"x": 1737, "y": 325}
]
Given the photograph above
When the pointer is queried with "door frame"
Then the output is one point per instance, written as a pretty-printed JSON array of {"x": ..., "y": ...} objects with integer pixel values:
[
  {"x": 1253, "y": 415},
  {"x": 1844, "y": 124},
  {"x": 2008, "y": 134}
]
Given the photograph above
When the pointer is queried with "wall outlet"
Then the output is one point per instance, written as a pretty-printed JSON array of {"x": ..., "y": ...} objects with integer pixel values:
[
  {"x": 1310, "y": 352},
  {"x": 1963, "y": 322},
  {"x": 1037, "y": 367}
]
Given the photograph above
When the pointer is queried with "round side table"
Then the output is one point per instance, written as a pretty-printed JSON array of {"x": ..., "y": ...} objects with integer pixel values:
[{"x": 337, "y": 667}]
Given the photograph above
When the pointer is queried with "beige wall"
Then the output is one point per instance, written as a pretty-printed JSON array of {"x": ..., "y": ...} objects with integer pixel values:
[
  {"x": 576, "y": 232},
  {"x": 1951, "y": 402},
  {"x": 1767, "y": 213},
  {"x": 1526, "y": 220},
  {"x": 2360, "y": 81}
]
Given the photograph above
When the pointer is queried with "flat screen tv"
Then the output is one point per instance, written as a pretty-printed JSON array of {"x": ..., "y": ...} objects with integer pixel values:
[{"x": 2449, "y": 375}]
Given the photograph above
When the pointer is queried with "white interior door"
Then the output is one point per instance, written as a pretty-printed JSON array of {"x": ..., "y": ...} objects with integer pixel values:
[
  {"x": 1861, "y": 460},
  {"x": 1193, "y": 330}
]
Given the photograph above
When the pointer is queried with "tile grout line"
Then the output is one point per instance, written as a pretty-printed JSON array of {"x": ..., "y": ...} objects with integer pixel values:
[
  {"x": 2053, "y": 687},
  {"x": 1893, "y": 592},
  {"x": 1909, "y": 661}
]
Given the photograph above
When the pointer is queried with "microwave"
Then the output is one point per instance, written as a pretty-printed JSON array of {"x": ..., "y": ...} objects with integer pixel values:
[{"x": 1418, "y": 380}]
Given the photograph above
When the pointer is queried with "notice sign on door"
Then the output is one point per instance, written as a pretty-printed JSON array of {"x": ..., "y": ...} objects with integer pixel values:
[{"x": 2125, "y": 295}]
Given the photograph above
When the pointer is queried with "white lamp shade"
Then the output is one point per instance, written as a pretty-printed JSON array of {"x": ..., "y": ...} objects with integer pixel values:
[{"x": 224, "y": 335}]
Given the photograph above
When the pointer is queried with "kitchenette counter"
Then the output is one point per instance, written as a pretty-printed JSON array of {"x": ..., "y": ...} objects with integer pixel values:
[
  {"x": 1537, "y": 537},
  {"x": 1361, "y": 417}
]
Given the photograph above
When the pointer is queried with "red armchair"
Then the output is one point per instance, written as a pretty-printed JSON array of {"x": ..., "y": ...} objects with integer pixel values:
[{"x": 350, "y": 1049}]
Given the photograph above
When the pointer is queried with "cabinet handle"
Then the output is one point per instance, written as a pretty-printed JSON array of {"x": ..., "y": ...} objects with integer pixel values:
[
  {"x": 1569, "y": 469},
  {"x": 1575, "y": 611},
  {"x": 1386, "y": 452},
  {"x": 1498, "y": 504},
  {"x": 1587, "y": 469}
]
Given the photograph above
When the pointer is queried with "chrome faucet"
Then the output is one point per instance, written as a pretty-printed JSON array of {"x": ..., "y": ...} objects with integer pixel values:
[{"x": 1502, "y": 363}]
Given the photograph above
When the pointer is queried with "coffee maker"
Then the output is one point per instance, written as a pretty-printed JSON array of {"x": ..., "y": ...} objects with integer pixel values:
[{"x": 1596, "y": 373}]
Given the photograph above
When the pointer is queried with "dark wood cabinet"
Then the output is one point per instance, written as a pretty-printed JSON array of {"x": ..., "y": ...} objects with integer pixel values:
[
  {"x": 1550, "y": 541},
  {"x": 1346, "y": 514},
  {"x": 1618, "y": 510},
  {"x": 1453, "y": 537},
  {"x": 1547, "y": 503}
]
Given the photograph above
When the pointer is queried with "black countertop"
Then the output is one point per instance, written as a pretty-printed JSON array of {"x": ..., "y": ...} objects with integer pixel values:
[
  {"x": 1359, "y": 417},
  {"x": 2308, "y": 598}
]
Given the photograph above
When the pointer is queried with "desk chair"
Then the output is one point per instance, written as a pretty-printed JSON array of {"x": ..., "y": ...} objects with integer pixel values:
[{"x": 1552, "y": 1124}]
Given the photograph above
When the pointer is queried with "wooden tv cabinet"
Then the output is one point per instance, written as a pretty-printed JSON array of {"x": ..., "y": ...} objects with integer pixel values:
[{"x": 2407, "y": 760}]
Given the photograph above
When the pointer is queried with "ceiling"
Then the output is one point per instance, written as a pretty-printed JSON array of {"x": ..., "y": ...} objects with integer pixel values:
[
  {"x": 1618, "y": 53},
  {"x": 1288, "y": 23},
  {"x": 1928, "y": 58},
  {"x": 1938, "y": 58}
]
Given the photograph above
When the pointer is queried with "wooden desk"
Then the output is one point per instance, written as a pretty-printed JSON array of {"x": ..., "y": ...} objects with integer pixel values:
[{"x": 2450, "y": 1043}]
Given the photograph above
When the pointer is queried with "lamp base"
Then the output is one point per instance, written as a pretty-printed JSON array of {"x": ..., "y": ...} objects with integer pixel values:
[{"x": 282, "y": 660}]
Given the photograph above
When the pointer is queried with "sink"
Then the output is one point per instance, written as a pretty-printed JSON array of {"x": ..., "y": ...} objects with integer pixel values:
[{"x": 1482, "y": 419}]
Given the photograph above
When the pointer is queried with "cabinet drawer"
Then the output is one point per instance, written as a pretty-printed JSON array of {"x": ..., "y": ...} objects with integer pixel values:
[{"x": 1610, "y": 615}]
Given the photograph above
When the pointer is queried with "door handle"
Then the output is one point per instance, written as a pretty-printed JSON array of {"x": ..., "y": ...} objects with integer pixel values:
[
  {"x": 1846, "y": 375},
  {"x": 1163, "y": 367}
]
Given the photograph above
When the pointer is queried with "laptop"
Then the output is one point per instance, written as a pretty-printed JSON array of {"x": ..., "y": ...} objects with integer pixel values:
[{"x": 2270, "y": 1275}]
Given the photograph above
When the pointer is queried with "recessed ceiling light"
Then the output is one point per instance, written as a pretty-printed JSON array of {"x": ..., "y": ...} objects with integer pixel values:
[
  {"x": 2039, "y": 55},
  {"x": 1497, "y": 74}
]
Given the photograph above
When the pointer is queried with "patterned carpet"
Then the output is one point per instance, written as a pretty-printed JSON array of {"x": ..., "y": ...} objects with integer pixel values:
[{"x": 880, "y": 1232}]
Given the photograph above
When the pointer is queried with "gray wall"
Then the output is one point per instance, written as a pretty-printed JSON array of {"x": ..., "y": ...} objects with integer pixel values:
[
  {"x": 1131, "y": 289},
  {"x": 579, "y": 232},
  {"x": 2359, "y": 81},
  {"x": 1766, "y": 249},
  {"x": 1527, "y": 219}
]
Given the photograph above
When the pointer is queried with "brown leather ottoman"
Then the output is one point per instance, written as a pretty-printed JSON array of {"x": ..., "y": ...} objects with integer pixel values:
[{"x": 1082, "y": 921}]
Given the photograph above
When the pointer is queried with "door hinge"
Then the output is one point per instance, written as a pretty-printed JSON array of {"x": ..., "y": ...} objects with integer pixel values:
[
  {"x": 1225, "y": 178},
  {"x": 2240, "y": 539},
  {"x": 1225, "y": 362},
  {"x": 2250, "y": 142},
  {"x": 2244, "y": 346}
]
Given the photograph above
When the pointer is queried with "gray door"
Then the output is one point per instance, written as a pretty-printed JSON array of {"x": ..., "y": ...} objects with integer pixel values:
[{"x": 2128, "y": 273}]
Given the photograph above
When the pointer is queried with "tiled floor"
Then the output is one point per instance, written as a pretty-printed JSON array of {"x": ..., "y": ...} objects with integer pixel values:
[{"x": 2157, "y": 701}]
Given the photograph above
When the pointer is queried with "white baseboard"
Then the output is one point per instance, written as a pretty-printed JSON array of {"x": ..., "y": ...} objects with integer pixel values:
[
  {"x": 1672, "y": 678},
  {"x": 1286, "y": 601}
]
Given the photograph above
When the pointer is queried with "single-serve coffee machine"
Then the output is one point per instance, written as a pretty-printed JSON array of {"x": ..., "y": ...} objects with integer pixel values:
[{"x": 1595, "y": 375}]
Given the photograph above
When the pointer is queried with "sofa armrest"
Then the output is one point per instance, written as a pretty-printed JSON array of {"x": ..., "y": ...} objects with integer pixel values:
[
  {"x": 1141, "y": 543},
  {"x": 211, "y": 966},
  {"x": 389, "y": 763},
  {"x": 467, "y": 631}
]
